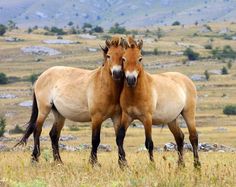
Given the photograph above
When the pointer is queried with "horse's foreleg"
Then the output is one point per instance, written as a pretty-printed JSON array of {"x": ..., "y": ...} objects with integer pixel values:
[
  {"x": 55, "y": 135},
  {"x": 96, "y": 129},
  {"x": 147, "y": 122},
  {"x": 189, "y": 117},
  {"x": 179, "y": 138},
  {"x": 120, "y": 135}
]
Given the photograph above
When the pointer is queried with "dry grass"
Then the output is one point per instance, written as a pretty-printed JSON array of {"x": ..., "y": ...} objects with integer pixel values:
[{"x": 218, "y": 169}]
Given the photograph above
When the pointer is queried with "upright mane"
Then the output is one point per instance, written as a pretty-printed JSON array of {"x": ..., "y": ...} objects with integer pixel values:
[{"x": 130, "y": 42}]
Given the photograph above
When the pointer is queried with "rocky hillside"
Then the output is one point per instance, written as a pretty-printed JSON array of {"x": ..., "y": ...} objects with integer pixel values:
[{"x": 132, "y": 14}]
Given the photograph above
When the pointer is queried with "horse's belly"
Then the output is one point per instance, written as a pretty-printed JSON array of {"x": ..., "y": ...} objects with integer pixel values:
[
  {"x": 75, "y": 111},
  {"x": 166, "y": 114}
]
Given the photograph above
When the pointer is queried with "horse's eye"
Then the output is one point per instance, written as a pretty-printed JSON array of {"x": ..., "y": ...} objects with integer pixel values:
[
  {"x": 108, "y": 56},
  {"x": 140, "y": 59}
]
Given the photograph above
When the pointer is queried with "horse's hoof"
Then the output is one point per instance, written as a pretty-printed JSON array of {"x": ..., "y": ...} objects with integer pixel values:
[
  {"x": 197, "y": 164},
  {"x": 94, "y": 163},
  {"x": 34, "y": 161},
  {"x": 181, "y": 164},
  {"x": 123, "y": 164}
]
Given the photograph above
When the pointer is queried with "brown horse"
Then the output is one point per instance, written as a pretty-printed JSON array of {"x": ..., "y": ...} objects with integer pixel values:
[
  {"x": 79, "y": 95},
  {"x": 155, "y": 99}
]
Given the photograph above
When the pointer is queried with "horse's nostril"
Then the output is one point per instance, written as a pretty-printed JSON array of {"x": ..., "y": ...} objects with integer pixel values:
[
  {"x": 117, "y": 74},
  {"x": 131, "y": 80}
]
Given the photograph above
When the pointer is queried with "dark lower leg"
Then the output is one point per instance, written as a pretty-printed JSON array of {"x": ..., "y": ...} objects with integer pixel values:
[
  {"x": 120, "y": 141},
  {"x": 54, "y": 135},
  {"x": 180, "y": 144},
  {"x": 194, "y": 142},
  {"x": 36, "y": 151},
  {"x": 149, "y": 146},
  {"x": 95, "y": 144}
]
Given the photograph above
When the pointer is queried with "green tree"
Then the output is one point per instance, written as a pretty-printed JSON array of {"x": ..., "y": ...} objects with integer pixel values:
[
  {"x": 230, "y": 110},
  {"x": 33, "y": 77},
  {"x": 70, "y": 23},
  {"x": 3, "y": 29},
  {"x": 175, "y": 23},
  {"x": 224, "y": 71},
  {"x": 11, "y": 25},
  {"x": 2, "y": 125},
  {"x": 117, "y": 29},
  {"x": 3, "y": 78},
  {"x": 191, "y": 54},
  {"x": 98, "y": 29},
  {"x": 207, "y": 75}
]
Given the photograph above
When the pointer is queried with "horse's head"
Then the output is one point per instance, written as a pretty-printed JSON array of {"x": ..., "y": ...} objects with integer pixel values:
[
  {"x": 132, "y": 59},
  {"x": 113, "y": 53}
]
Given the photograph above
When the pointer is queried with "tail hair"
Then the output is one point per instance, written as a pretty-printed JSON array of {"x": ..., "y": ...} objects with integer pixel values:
[{"x": 31, "y": 124}]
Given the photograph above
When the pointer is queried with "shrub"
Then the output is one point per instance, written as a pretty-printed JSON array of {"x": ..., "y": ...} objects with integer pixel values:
[
  {"x": 155, "y": 51},
  {"x": 208, "y": 46},
  {"x": 3, "y": 78},
  {"x": 229, "y": 64},
  {"x": 58, "y": 31},
  {"x": 230, "y": 110},
  {"x": 207, "y": 75},
  {"x": 74, "y": 128},
  {"x": 224, "y": 71},
  {"x": 175, "y": 23},
  {"x": 226, "y": 52},
  {"x": 117, "y": 29},
  {"x": 33, "y": 77},
  {"x": 16, "y": 130},
  {"x": 98, "y": 29},
  {"x": 191, "y": 54},
  {"x": 87, "y": 25},
  {"x": 2, "y": 125},
  {"x": 208, "y": 27},
  {"x": 29, "y": 30},
  {"x": 3, "y": 29},
  {"x": 70, "y": 23}
]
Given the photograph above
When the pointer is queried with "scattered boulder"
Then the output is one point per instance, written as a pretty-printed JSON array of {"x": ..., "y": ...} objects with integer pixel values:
[
  {"x": 87, "y": 36},
  {"x": 68, "y": 138},
  {"x": 224, "y": 31},
  {"x": 26, "y": 104},
  {"x": 4, "y": 148},
  {"x": 13, "y": 39},
  {"x": 205, "y": 147},
  {"x": 40, "y": 50},
  {"x": 221, "y": 129},
  {"x": 7, "y": 96},
  {"x": 215, "y": 72},
  {"x": 59, "y": 41},
  {"x": 92, "y": 49},
  {"x": 204, "y": 30},
  {"x": 81, "y": 147},
  {"x": 197, "y": 77}
]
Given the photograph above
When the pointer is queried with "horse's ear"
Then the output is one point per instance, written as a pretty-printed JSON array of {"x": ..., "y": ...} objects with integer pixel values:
[
  {"x": 104, "y": 49},
  {"x": 108, "y": 43},
  {"x": 140, "y": 44}
]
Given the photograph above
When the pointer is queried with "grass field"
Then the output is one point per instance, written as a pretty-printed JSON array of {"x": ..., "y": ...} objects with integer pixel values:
[{"x": 218, "y": 169}]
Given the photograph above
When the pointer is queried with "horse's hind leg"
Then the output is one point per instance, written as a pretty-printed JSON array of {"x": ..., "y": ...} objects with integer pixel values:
[
  {"x": 37, "y": 132},
  {"x": 179, "y": 138},
  {"x": 189, "y": 117},
  {"x": 55, "y": 132}
]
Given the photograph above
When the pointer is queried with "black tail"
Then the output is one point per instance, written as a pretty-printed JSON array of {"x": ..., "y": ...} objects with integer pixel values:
[{"x": 31, "y": 123}]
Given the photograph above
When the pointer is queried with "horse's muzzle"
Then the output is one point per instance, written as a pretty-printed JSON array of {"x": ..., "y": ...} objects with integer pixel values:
[
  {"x": 131, "y": 81},
  {"x": 117, "y": 74}
]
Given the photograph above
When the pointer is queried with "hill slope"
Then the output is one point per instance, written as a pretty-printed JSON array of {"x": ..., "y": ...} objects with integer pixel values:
[{"x": 132, "y": 14}]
